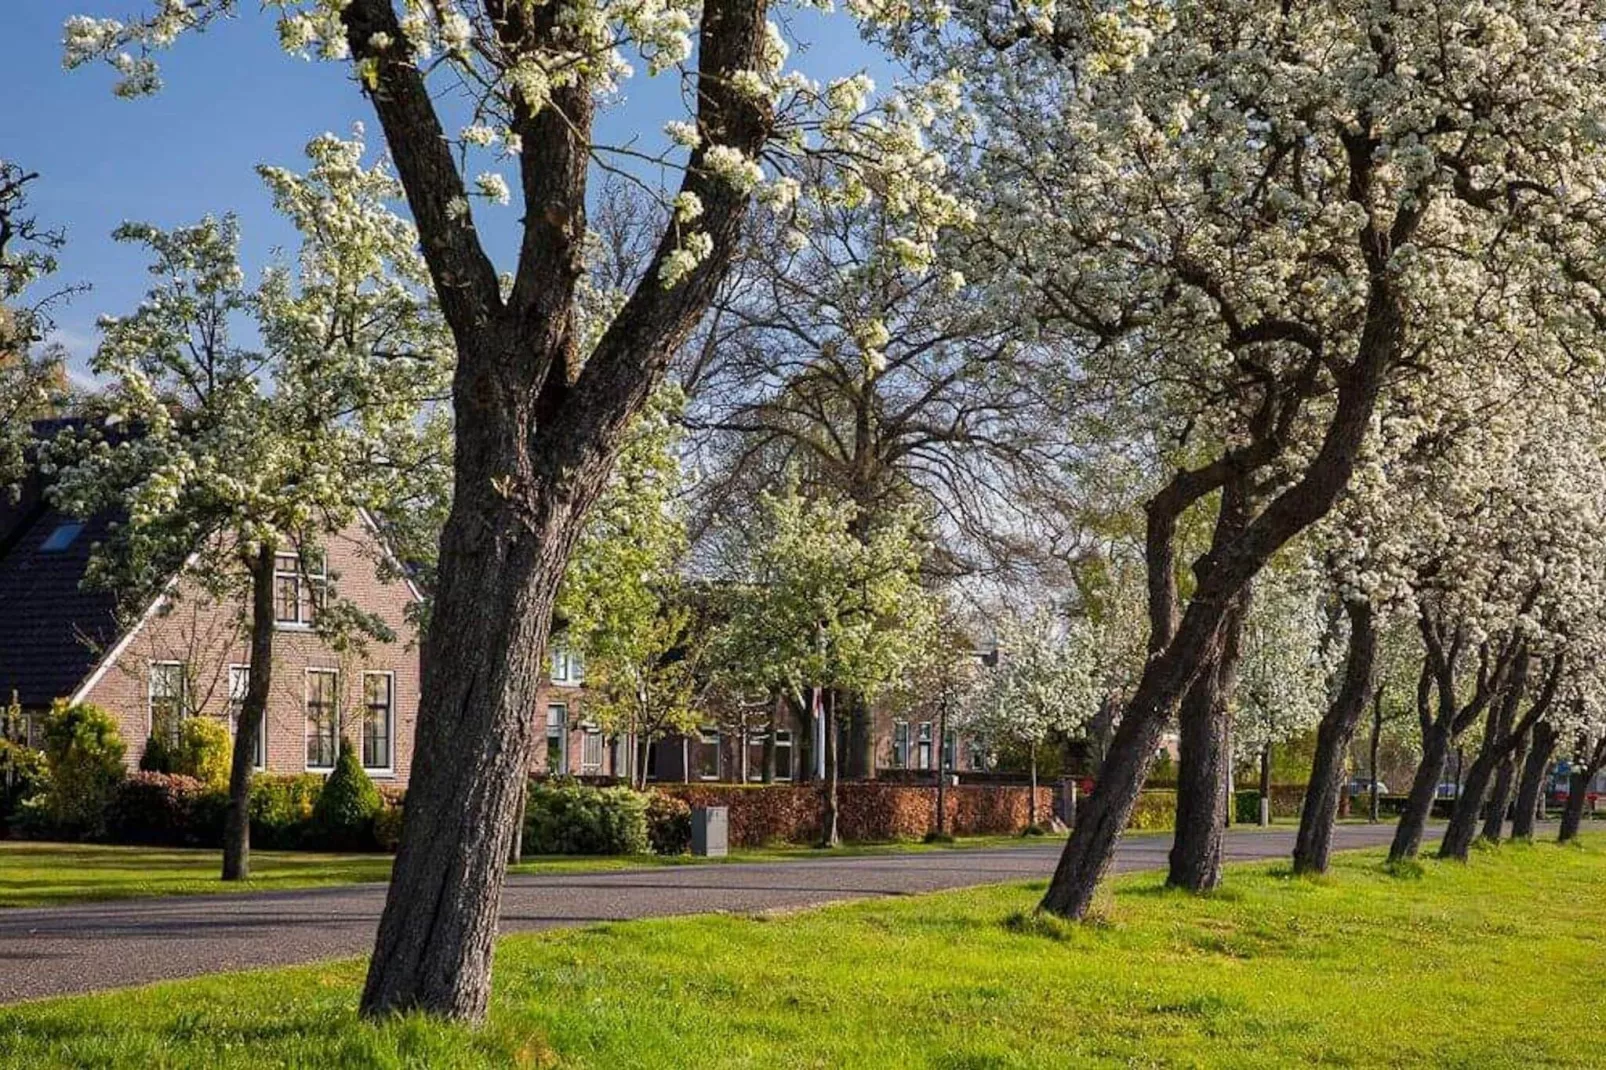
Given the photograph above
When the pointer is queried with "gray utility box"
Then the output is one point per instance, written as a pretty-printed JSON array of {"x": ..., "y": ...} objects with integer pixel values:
[{"x": 710, "y": 831}]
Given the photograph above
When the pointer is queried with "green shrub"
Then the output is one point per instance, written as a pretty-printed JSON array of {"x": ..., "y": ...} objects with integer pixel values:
[
  {"x": 343, "y": 816},
  {"x": 157, "y": 757},
  {"x": 281, "y": 809},
  {"x": 23, "y": 775},
  {"x": 1153, "y": 810},
  {"x": 204, "y": 750},
  {"x": 388, "y": 826},
  {"x": 85, "y": 756},
  {"x": 668, "y": 824},
  {"x": 575, "y": 819}
]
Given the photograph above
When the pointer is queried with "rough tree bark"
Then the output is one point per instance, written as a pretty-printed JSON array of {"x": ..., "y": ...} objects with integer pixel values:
[
  {"x": 1532, "y": 788},
  {"x": 538, "y": 428},
  {"x": 1203, "y": 771},
  {"x": 248, "y": 730},
  {"x": 1313, "y": 844}
]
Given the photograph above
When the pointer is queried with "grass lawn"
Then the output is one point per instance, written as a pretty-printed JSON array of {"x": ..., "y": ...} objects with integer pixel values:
[
  {"x": 52, "y": 874},
  {"x": 1493, "y": 964}
]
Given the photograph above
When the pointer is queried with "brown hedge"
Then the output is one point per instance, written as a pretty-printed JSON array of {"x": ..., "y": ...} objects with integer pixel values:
[{"x": 869, "y": 811}]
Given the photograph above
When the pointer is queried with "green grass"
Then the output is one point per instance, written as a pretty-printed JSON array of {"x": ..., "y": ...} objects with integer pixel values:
[
  {"x": 1493, "y": 964},
  {"x": 53, "y": 874}
]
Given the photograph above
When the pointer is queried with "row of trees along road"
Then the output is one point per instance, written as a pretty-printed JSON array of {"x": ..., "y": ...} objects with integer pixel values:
[{"x": 1245, "y": 336}]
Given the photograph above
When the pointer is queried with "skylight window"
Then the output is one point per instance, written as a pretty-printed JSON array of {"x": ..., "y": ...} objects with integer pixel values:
[{"x": 61, "y": 538}]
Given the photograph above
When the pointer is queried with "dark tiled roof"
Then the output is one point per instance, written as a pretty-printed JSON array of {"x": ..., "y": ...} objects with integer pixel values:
[{"x": 52, "y": 631}]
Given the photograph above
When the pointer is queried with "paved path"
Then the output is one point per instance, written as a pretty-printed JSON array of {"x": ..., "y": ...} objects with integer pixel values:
[{"x": 62, "y": 950}]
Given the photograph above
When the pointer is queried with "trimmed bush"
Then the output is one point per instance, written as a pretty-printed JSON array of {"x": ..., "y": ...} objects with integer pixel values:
[
  {"x": 156, "y": 809},
  {"x": 1154, "y": 810},
  {"x": 567, "y": 818},
  {"x": 85, "y": 756},
  {"x": 343, "y": 816},
  {"x": 204, "y": 750},
  {"x": 281, "y": 809},
  {"x": 668, "y": 824}
]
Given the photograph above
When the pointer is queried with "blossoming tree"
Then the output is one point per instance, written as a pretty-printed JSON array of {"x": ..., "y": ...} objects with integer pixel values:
[
  {"x": 1255, "y": 215},
  {"x": 540, "y": 412},
  {"x": 224, "y": 457},
  {"x": 1046, "y": 684}
]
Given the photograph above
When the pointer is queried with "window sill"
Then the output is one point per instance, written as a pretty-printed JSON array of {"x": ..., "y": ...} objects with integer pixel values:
[{"x": 291, "y": 626}]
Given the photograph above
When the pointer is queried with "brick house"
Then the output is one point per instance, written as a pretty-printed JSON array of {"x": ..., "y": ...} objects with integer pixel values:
[{"x": 187, "y": 653}]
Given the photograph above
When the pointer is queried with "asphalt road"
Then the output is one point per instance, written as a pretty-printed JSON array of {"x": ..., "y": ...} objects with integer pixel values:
[{"x": 63, "y": 950}]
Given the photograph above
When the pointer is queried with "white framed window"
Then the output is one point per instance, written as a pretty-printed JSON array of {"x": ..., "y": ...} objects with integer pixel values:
[
  {"x": 948, "y": 752},
  {"x": 705, "y": 754},
  {"x": 379, "y": 721},
  {"x": 566, "y": 666},
  {"x": 239, "y": 684},
  {"x": 323, "y": 718},
  {"x": 783, "y": 754},
  {"x": 923, "y": 746},
  {"x": 167, "y": 697},
  {"x": 298, "y": 590},
  {"x": 900, "y": 744},
  {"x": 591, "y": 752},
  {"x": 557, "y": 739}
]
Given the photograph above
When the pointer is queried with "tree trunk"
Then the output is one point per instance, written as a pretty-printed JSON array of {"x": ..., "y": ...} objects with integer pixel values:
[
  {"x": 767, "y": 774},
  {"x": 942, "y": 774},
  {"x": 1265, "y": 785},
  {"x": 1531, "y": 791},
  {"x": 639, "y": 760},
  {"x": 1202, "y": 790},
  {"x": 515, "y": 854},
  {"x": 1314, "y": 843},
  {"x": 1463, "y": 826},
  {"x": 1572, "y": 815},
  {"x": 1424, "y": 787},
  {"x": 1177, "y": 651},
  {"x": 1372, "y": 813},
  {"x": 829, "y": 836},
  {"x": 481, "y": 666},
  {"x": 248, "y": 729},
  {"x": 1494, "y": 819},
  {"x": 1031, "y": 800}
]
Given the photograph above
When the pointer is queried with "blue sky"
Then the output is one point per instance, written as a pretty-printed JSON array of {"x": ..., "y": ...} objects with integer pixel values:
[{"x": 232, "y": 100}]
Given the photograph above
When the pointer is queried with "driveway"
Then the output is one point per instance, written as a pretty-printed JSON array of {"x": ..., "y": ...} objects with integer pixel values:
[{"x": 85, "y": 948}]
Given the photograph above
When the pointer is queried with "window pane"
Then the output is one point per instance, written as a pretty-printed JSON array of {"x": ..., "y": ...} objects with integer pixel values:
[
  {"x": 783, "y": 755},
  {"x": 322, "y": 728},
  {"x": 557, "y": 737},
  {"x": 706, "y": 755},
  {"x": 376, "y": 720}
]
